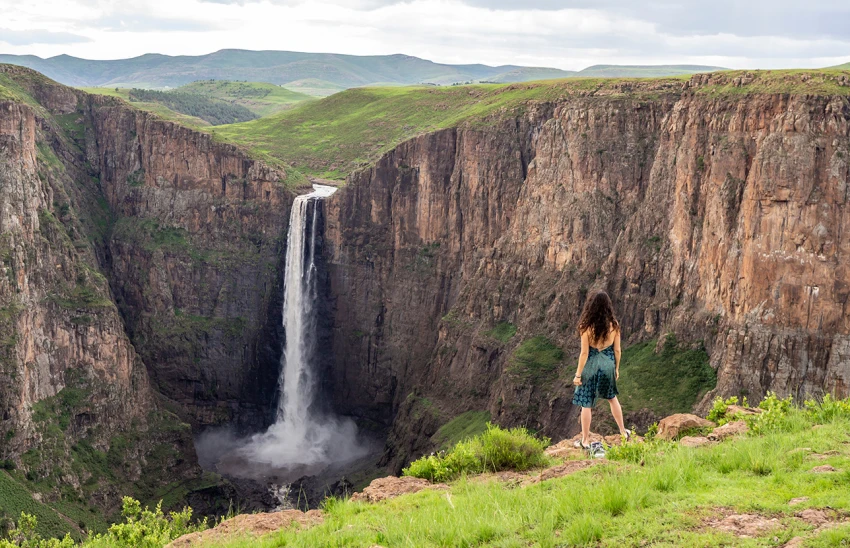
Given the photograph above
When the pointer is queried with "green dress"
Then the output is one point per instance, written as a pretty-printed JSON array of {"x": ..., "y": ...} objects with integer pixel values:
[{"x": 598, "y": 378}]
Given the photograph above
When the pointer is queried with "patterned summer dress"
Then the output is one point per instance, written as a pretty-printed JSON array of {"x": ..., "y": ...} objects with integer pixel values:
[{"x": 598, "y": 378}]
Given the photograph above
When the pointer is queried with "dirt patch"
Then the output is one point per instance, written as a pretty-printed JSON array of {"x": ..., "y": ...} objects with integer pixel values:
[
  {"x": 508, "y": 477},
  {"x": 562, "y": 470},
  {"x": 391, "y": 487},
  {"x": 249, "y": 524},
  {"x": 823, "y": 456},
  {"x": 565, "y": 450},
  {"x": 824, "y": 469},
  {"x": 745, "y": 525},
  {"x": 797, "y": 500}
]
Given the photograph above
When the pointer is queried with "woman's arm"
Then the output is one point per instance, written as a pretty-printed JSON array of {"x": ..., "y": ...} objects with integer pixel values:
[
  {"x": 582, "y": 358},
  {"x": 617, "y": 353}
]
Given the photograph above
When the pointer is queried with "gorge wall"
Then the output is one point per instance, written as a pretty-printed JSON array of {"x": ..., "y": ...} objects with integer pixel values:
[
  {"x": 718, "y": 218},
  {"x": 140, "y": 291}
]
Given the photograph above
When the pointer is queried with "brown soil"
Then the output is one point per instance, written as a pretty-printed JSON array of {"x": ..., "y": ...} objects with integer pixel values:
[
  {"x": 391, "y": 487},
  {"x": 249, "y": 524}
]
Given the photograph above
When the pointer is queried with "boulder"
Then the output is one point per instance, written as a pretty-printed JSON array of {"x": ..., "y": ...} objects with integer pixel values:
[
  {"x": 730, "y": 429},
  {"x": 739, "y": 410},
  {"x": 670, "y": 427}
]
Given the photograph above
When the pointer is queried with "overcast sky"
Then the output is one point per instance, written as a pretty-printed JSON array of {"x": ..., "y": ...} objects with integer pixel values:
[{"x": 564, "y": 34}]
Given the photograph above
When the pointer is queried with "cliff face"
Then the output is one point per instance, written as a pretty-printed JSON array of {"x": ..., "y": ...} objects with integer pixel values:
[
  {"x": 195, "y": 260},
  {"x": 132, "y": 249},
  {"x": 719, "y": 219}
]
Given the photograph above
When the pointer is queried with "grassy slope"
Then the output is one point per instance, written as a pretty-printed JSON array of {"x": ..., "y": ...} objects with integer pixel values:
[
  {"x": 332, "y": 137},
  {"x": 664, "y": 502},
  {"x": 314, "y": 87},
  {"x": 261, "y": 98},
  {"x": 160, "y": 110}
]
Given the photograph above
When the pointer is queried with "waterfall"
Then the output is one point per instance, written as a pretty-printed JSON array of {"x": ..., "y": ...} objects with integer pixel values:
[{"x": 299, "y": 436}]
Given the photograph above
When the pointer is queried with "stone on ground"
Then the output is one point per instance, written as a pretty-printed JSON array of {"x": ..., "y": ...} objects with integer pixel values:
[
  {"x": 248, "y": 524},
  {"x": 797, "y": 500},
  {"x": 391, "y": 487},
  {"x": 729, "y": 429},
  {"x": 694, "y": 441},
  {"x": 739, "y": 410},
  {"x": 670, "y": 427}
]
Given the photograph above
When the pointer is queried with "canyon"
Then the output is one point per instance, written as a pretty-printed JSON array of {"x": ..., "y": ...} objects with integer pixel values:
[{"x": 144, "y": 268}]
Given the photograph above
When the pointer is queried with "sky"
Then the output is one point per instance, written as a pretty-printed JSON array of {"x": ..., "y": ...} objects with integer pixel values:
[{"x": 563, "y": 34}]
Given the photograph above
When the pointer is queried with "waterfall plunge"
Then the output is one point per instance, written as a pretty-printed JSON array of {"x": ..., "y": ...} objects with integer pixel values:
[{"x": 300, "y": 438}]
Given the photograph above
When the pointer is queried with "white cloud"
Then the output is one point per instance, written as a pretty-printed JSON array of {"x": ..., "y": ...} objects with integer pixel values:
[{"x": 533, "y": 32}]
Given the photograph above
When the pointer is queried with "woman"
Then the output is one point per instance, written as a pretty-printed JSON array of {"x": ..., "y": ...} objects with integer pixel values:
[{"x": 598, "y": 363}]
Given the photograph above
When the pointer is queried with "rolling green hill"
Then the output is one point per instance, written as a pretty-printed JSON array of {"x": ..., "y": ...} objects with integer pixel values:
[
  {"x": 333, "y": 136},
  {"x": 286, "y": 67},
  {"x": 260, "y": 98},
  {"x": 314, "y": 87}
]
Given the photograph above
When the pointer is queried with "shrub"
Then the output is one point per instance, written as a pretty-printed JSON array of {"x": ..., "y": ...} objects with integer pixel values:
[
  {"x": 827, "y": 410},
  {"x": 23, "y": 535},
  {"x": 494, "y": 450},
  {"x": 773, "y": 417},
  {"x": 514, "y": 449},
  {"x": 144, "y": 528}
]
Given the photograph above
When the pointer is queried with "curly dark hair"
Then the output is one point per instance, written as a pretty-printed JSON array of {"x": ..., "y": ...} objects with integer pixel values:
[{"x": 598, "y": 317}]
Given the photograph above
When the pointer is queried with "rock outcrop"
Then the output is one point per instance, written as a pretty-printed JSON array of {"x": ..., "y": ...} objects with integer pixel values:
[{"x": 718, "y": 218}]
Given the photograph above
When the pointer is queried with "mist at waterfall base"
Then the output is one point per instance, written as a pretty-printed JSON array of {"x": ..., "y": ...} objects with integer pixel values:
[{"x": 303, "y": 441}]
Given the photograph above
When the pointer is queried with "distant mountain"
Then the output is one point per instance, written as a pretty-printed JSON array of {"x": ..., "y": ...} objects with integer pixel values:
[
  {"x": 528, "y": 74},
  {"x": 157, "y": 71},
  {"x": 845, "y": 66}
]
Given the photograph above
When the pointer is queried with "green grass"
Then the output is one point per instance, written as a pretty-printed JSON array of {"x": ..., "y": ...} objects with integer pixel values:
[
  {"x": 335, "y": 135},
  {"x": 503, "y": 332},
  {"x": 16, "y": 498},
  {"x": 535, "y": 359},
  {"x": 260, "y": 98},
  {"x": 666, "y": 502},
  {"x": 465, "y": 425},
  {"x": 671, "y": 381},
  {"x": 314, "y": 87}
]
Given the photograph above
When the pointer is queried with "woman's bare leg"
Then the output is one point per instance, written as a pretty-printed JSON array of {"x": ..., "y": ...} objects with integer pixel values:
[
  {"x": 617, "y": 411},
  {"x": 585, "y": 425}
]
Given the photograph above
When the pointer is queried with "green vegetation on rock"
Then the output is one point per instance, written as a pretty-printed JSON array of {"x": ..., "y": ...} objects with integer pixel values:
[
  {"x": 503, "y": 332},
  {"x": 535, "y": 359},
  {"x": 465, "y": 425},
  {"x": 671, "y": 381}
]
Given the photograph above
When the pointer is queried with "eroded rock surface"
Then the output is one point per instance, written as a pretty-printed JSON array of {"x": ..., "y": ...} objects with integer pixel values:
[{"x": 719, "y": 219}]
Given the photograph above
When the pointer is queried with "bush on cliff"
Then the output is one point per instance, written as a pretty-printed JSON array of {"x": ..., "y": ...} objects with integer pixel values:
[{"x": 494, "y": 450}]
